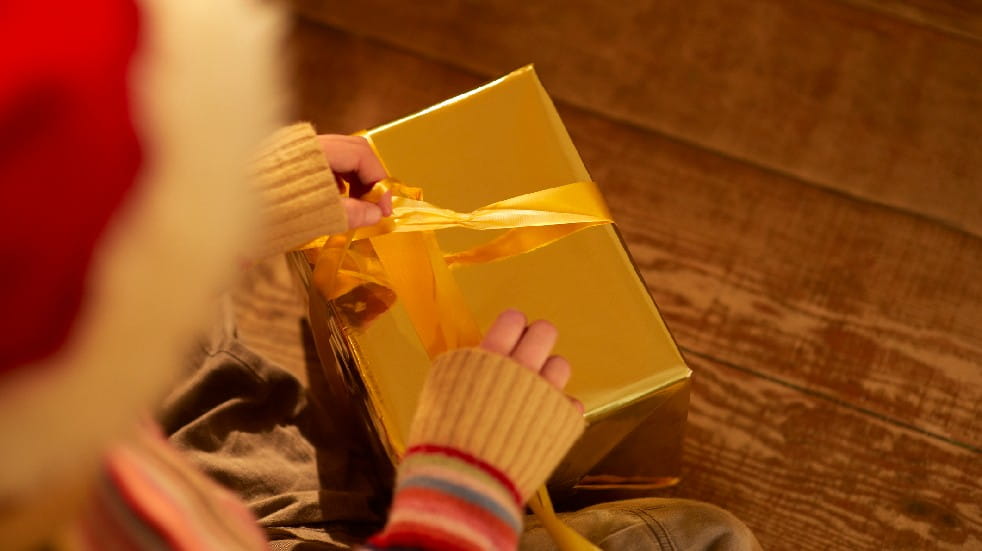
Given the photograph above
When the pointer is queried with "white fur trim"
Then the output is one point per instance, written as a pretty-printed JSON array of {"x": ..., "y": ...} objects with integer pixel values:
[{"x": 207, "y": 90}]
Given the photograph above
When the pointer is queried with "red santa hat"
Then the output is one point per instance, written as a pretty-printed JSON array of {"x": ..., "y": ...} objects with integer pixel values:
[{"x": 125, "y": 131}]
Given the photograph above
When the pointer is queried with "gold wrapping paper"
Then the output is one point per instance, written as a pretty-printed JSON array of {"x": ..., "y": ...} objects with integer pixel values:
[{"x": 494, "y": 143}]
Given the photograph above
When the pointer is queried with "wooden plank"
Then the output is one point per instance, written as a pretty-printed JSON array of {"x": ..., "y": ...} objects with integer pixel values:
[
  {"x": 808, "y": 474},
  {"x": 839, "y": 297},
  {"x": 869, "y": 305},
  {"x": 960, "y": 17},
  {"x": 828, "y": 92}
]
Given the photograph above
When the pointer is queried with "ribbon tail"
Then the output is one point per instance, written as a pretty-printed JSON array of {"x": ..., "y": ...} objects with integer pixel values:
[
  {"x": 421, "y": 279},
  {"x": 565, "y": 537},
  {"x": 328, "y": 265}
]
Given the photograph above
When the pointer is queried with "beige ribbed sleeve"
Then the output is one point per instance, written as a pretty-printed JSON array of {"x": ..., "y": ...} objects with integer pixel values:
[
  {"x": 300, "y": 198},
  {"x": 496, "y": 410}
]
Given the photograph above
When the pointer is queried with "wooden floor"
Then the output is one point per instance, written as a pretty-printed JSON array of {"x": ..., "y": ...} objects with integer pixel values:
[{"x": 801, "y": 185}]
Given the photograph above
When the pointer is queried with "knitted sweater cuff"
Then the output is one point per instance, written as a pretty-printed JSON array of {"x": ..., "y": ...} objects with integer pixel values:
[
  {"x": 488, "y": 407},
  {"x": 487, "y": 433},
  {"x": 449, "y": 501},
  {"x": 299, "y": 194}
]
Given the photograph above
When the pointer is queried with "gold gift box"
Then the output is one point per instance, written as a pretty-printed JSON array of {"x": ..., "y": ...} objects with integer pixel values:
[{"x": 502, "y": 140}]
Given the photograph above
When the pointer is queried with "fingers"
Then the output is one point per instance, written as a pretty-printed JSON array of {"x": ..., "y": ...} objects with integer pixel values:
[
  {"x": 385, "y": 203},
  {"x": 351, "y": 155},
  {"x": 578, "y": 405},
  {"x": 531, "y": 346},
  {"x": 504, "y": 333},
  {"x": 556, "y": 371},
  {"x": 361, "y": 213},
  {"x": 535, "y": 345},
  {"x": 351, "y": 158}
]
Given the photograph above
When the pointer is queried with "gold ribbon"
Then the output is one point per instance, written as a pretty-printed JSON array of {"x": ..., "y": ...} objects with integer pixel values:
[
  {"x": 402, "y": 255},
  {"x": 536, "y": 219},
  {"x": 405, "y": 257},
  {"x": 565, "y": 537}
]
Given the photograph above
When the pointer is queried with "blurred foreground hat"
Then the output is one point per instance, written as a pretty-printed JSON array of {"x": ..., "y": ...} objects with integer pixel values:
[{"x": 125, "y": 133}]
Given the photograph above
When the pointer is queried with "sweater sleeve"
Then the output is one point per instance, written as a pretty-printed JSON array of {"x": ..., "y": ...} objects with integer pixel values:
[
  {"x": 487, "y": 433},
  {"x": 149, "y": 496},
  {"x": 300, "y": 198}
]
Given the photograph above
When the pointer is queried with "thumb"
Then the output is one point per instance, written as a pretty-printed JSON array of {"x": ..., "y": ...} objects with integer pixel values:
[{"x": 361, "y": 213}]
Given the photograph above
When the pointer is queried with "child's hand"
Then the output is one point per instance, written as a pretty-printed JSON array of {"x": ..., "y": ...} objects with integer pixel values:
[
  {"x": 486, "y": 434},
  {"x": 354, "y": 161},
  {"x": 529, "y": 345}
]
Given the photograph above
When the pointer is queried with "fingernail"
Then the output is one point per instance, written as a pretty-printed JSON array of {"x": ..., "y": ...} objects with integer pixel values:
[{"x": 373, "y": 215}]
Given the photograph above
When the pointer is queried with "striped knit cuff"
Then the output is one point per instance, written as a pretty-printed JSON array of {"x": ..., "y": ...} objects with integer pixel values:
[
  {"x": 151, "y": 497},
  {"x": 448, "y": 500},
  {"x": 489, "y": 407},
  {"x": 298, "y": 191}
]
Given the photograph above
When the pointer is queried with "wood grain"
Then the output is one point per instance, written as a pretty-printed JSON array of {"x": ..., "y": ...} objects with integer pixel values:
[
  {"x": 807, "y": 474},
  {"x": 838, "y": 297},
  {"x": 958, "y": 17},
  {"x": 841, "y": 297},
  {"x": 883, "y": 108}
]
